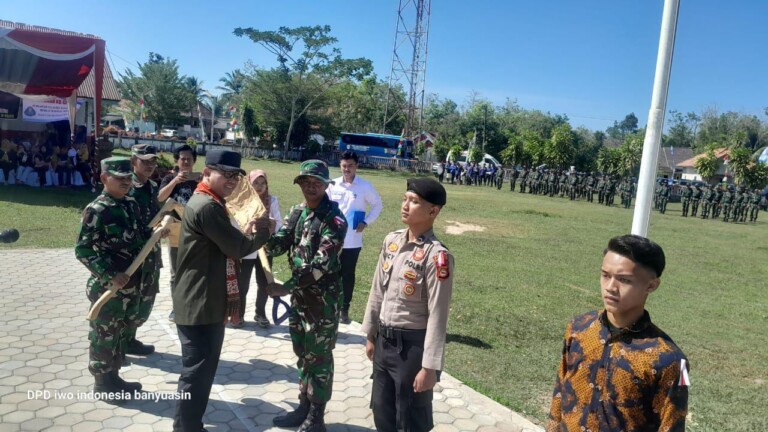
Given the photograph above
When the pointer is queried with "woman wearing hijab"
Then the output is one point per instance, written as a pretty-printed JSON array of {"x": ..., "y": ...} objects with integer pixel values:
[{"x": 258, "y": 179}]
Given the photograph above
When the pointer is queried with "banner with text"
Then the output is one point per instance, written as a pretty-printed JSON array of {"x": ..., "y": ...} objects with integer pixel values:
[{"x": 46, "y": 110}]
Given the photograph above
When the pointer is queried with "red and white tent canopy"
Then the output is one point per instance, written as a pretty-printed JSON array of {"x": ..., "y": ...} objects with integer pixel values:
[{"x": 44, "y": 61}]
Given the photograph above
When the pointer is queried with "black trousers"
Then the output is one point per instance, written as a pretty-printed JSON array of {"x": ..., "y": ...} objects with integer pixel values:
[
  {"x": 348, "y": 264},
  {"x": 200, "y": 352},
  {"x": 396, "y": 362},
  {"x": 247, "y": 267}
]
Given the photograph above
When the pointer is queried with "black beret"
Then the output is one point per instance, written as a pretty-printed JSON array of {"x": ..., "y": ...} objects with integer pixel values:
[{"x": 429, "y": 189}]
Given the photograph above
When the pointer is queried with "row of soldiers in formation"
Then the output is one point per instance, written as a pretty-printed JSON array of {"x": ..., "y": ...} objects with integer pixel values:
[
  {"x": 734, "y": 204},
  {"x": 573, "y": 185}
]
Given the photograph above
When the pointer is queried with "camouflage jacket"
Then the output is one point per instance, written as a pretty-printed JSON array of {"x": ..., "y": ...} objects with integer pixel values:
[
  {"x": 111, "y": 236},
  {"x": 697, "y": 194},
  {"x": 146, "y": 197},
  {"x": 687, "y": 193},
  {"x": 313, "y": 239}
]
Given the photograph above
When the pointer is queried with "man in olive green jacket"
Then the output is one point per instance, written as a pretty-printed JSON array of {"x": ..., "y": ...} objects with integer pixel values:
[{"x": 206, "y": 293}]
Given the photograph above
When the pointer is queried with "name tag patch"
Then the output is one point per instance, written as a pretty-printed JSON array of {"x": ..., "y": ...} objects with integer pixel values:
[{"x": 410, "y": 275}]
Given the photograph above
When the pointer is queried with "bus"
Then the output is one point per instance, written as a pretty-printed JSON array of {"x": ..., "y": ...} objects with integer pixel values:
[{"x": 371, "y": 144}]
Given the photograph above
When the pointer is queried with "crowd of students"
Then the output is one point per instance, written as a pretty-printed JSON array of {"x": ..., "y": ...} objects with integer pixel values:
[{"x": 46, "y": 160}]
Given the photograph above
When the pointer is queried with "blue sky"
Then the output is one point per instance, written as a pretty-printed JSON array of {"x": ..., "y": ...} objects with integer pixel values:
[{"x": 592, "y": 60}]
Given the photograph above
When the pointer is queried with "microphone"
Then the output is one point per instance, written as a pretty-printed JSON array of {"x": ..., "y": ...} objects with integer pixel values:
[{"x": 9, "y": 235}]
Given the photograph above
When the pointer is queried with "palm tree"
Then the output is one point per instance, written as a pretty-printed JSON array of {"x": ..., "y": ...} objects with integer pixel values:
[
  {"x": 233, "y": 84},
  {"x": 196, "y": 93}
]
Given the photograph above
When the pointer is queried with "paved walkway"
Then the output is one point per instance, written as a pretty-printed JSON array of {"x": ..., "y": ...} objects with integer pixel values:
[{"x": 44, "y": 381}]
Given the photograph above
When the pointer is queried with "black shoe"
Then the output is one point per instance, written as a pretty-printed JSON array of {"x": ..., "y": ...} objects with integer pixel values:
[
  {"x": 109, "y": 391},
  {"x": 296, "y": 417},
  {"x": 315, "y": 422},
  {"x": 137, "y": 348},
  {"x": 344, "y": 319},
  {"x": 123, "y": 384},
  {"x": 172, "y": 316}
]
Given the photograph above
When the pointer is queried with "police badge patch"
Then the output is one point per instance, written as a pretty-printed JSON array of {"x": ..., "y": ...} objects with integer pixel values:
[
  {"x": 441, "y": 264},
  {"x": 410, "y": 275},
  {"x": 418, "y": 254},
  {"x": 409, "y": 290}
]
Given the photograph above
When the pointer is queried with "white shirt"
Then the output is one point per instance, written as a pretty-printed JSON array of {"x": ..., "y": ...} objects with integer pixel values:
[
  {"x": 274, "y": 213},
  {"x": 353, "y": 197}
]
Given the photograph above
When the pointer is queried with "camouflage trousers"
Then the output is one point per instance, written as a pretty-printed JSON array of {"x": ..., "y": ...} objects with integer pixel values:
[
  {"x": 147, "y": 296},
  {"x": 109, "y": 330},
  {"x": 314, "y": 327}
]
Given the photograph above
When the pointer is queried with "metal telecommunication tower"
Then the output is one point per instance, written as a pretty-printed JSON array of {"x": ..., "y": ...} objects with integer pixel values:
[{"x": 409, "y": 66}]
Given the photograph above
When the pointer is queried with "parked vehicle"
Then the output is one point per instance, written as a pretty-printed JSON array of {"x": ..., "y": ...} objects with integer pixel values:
[{"x": 169, "y": 133}]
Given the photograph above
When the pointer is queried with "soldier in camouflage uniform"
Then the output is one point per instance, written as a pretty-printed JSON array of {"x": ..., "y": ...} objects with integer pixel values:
[
  {"x": 573, "y": 181},
  {"x": 111, "y": 237},
  {"x": 610, "y": 190},
  {"x": 708, "y": 196},
  {"x": 754, "y": 205},
  {"x": 523, "y": 179},
  {"x": 686, "y": 200},
  {"x": 742, "y": 200},
  {"x": 697, "y": 194},
  {"x": 551, "y": 183},
  {"x": 590, "y": 187},
  {"x": 601, "y": 190},
  {"x": 717, "y": 202},
  {"x": 144, "y": 191},
  {"x": 727, "y": 201},
  {"x": 562, "y": 184},
  {"x": 513, "y": 179},
  {"x": 313, "y": 235}
]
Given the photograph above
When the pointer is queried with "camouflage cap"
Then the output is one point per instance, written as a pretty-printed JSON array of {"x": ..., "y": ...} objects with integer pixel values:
[
  {"x": 117, "y": 166},
  {"x": 144, "y": 151},
  {"x": 314, "y": 168}
]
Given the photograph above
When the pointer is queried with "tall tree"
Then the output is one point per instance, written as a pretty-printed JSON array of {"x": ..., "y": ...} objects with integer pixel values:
[
  {"x": 707, "y": 165},
  {"x": 250, "y": 126},
  {"x": 559, "y": 149},
  {"x": 160, "y": 86},
  {"x": 609, "y": 160},
  {"x": 514, "y": 154},
  {"x": 195, "y": 95},
  {"x": 682, "y": 129},
  {"x": 233, "y": 84},
  {"x": 534, "y": 147},
  {"x": 310, "y": 65}
]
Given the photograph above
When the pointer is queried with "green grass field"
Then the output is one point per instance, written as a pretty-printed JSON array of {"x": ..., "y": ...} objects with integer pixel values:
[{"x": 534, "y": 267}]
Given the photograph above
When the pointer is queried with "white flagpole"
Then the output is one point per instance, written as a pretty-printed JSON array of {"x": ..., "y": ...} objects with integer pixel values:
[{"x": 653, "y": 132}]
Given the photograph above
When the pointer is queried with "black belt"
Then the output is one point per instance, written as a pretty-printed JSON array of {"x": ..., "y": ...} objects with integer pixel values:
[{"x": 390, "y": 332}]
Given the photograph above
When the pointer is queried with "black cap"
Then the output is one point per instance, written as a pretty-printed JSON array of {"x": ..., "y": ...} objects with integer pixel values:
[
  {"x": 429, "y": 189},
  {"x": 224, "y": 160}
]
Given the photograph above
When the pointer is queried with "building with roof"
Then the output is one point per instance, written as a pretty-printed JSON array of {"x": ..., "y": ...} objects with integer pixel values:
[{"x": 688, "y": 166}]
